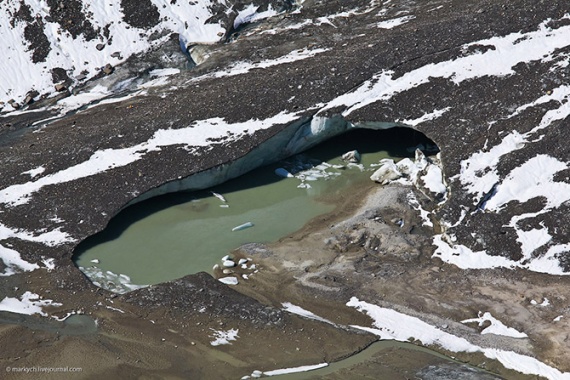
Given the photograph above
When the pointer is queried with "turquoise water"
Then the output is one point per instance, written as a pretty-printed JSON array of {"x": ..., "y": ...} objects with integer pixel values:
[{"x": 170, "y": 236}]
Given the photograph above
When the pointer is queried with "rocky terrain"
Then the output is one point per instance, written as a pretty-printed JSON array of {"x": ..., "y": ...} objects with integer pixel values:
[{"x": 103, "y": 106}]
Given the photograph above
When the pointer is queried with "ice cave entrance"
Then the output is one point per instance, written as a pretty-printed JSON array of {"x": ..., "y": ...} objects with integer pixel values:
[{"x": 170, "y": 236}]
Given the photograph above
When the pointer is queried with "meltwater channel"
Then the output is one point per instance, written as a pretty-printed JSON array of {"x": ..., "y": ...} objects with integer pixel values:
[{"x": 173, "y": 235}]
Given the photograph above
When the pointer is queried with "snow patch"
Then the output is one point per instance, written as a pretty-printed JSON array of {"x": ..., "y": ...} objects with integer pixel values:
[
  {"x": 297, "y": 310},
  {"x": 497, "y": 327},
  {"x": 508, "y": 51},
  {"x": 304, "y": 368},
  {"x": 390, "y": 324},
  {"x": 14, "y": 262},
  {"x": 392, "y": 23},
  {"x": 197, "y": 134},
  {"x": 224, "y": 337},
  {"x": 30, "y": 303},
  {"x": 240, "y": 68}
]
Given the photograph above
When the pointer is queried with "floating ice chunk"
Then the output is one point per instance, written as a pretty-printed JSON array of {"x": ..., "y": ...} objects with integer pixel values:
[
  {"x": 224, "y": 206},
  {"x": 358, "y": 166},
  {"x": 229, "y": 263},
  {"x": 95, "y": 261},
  {"x": 219, "y": 196},
  {"x": 281, "y": 172},
  {"x": 229, "y": 280},
  {"x": 243, "y": 226},
  {"x": 353, "y": 156}
]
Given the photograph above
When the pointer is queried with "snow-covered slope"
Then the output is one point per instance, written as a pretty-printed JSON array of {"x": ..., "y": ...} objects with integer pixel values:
[{"x": 46, "y": 42}]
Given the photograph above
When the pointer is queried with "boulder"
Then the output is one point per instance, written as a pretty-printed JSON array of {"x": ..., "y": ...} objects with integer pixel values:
[
  {"x": 353, "y": 157},
  {"x": 386, "y": 173}
]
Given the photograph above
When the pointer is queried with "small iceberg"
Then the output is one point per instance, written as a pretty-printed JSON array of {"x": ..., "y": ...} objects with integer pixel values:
[
  {"x": 281, "y": 172},
  {"x": 219, "y": 196},
  {"x": 243, "y": 226},
  {"x": 229, "y": 280}
]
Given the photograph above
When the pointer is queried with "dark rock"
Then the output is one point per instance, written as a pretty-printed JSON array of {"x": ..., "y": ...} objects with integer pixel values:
[
  {"x": 100, "y": 47},
  {"x": 60, "y": 87},
  {"x": 201, "y": 291},
  {"x": 140, "y": 13},
  {"x": 116, "y": 54},
  {"x": 108, "y": 69},
  {"x": 71, "y": 18}
]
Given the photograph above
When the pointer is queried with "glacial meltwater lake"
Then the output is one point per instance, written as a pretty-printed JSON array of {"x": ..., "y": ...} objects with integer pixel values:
[{"x": 170, "y": 236}]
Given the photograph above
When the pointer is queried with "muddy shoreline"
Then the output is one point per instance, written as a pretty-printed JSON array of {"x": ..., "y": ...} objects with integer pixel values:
[{"x": 302, "y": 269}]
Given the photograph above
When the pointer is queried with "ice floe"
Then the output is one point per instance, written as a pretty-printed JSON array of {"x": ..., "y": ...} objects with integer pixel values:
[
  {"x": 231, "y": 280},
  {"x": 284, "y": 371},
  {"x": 117, "y": 283}
]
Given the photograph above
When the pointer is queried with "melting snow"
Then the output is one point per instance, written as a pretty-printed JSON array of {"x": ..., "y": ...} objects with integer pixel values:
[
  {"x": 509, "y": 51},
  {"x": 389, "y": 24},
  {"x": 14, "y": 262},
  {"x": 250, "y": 14},
  {"x": 224, "y": 337},
  {"x": 245, "y": 67},
  {"x": 198, "y": 134},
  {"x": 390, "y": 324},
  {"x": 29, "y": 304},
  {"x": 285, "y": 371},
  {"x": 497, "y": 327},
  {"x": 297, "y": 310},
  {"x": 77, "y": 55}
]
